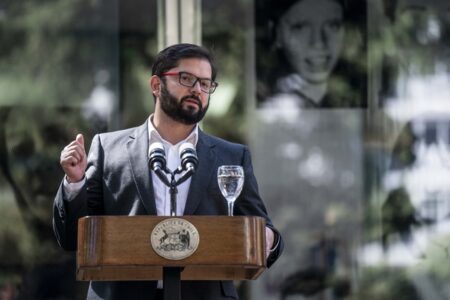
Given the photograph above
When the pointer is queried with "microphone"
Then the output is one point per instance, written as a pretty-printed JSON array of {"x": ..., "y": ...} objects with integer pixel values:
[
  {"x": 189, "y": 162},
  {"x": 157, "y": 161},
  {"x": 188, "y": 156},
  {"x": 157, "y": 157}
]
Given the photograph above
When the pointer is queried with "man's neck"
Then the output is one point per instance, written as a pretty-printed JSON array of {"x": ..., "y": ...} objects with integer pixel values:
[{"x": 170, "y": 130}]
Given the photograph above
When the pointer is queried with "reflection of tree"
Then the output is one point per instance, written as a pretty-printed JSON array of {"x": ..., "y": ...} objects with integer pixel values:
[
  {"x": 386, "y": 284},
  {"x": 33, "y": 223},
  {"x": 29, "y": 162},
  {"x": 403, "y": 152},
  {"x": 324, "y": 256},
  {"x": 48, "y": 56},
  {"x": 51, "y": 51},
  {"x": 412, "y": 45},
  {"x": 398, "y": 216},
  {"x": 49, "y": 47},
  {"x": 306, "y": 282},
  {"x": 39, "y": 228},
  {"x": 222, "y": 33},
  {"x": 415, "y": 188},
  {"x": 308, "y": 166}
]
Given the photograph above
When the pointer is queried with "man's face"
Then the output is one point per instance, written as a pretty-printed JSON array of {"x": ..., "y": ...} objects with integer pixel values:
[
  {"x": 187, "y": 105},
  {"x": 310, "y": 34}
]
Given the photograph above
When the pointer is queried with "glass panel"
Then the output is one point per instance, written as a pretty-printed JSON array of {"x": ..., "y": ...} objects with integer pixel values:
[
  {"x": 344, "y": 103},
  {"x": 60, "y": 74},
  {"x": 309, "y": 166},
  {"x": 405, "y": 247},
  {"x": 225, "y": 28},
  {"x": 381, "y": 231},
  {"x": 137, "y": 48},
  {"x": 68, "y": 66},
  {"x": 311, "y": 73}
]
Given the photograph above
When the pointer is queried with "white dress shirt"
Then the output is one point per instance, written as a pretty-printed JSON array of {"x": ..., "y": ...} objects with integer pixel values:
[{"x": 160, "y": 190}]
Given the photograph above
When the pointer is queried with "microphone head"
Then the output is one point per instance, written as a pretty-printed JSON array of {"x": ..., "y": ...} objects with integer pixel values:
[
  {"x": 186, "y": 147},
  {"x": 157, "y": 156},
  {"x": 188, "y": 156},
  {"x": 156, "y": 147}
]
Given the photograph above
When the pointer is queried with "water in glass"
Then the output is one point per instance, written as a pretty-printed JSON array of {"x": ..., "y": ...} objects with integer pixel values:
[{"x": 231, "y": 181}]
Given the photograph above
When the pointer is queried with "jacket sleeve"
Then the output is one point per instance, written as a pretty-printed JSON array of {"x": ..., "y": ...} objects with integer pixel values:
[
  {"x": 250, "y": 203},
  {"x": 88, "y": 201},
  {"x": 65, "y": 217}
]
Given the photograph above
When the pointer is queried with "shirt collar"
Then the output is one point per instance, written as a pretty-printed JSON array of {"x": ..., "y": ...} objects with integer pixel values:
[{"x": 154, "y": 136}]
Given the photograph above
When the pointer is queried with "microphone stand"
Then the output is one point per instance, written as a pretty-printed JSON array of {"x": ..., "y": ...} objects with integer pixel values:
[
  {"x": 157, "y": 162},
  {"x": 173, "y": 183},
  {"x": 173, "y": 196},
  {"x": 172, "y": 275}
]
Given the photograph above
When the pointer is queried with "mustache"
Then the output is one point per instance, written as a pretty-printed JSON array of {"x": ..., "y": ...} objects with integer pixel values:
[{"x": 192, "y": 97}]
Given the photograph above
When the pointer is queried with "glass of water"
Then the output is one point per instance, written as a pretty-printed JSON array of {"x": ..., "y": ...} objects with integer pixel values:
[{"x": 231, "y": 181}]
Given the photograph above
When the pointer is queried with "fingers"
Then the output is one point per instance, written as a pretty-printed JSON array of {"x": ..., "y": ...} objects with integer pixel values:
[
  {"x": 270, "y": 237},
  {"x": 74, "y": 153},
  {"x": 73, "y": 159},
  {"x": 80, "y": 139}
]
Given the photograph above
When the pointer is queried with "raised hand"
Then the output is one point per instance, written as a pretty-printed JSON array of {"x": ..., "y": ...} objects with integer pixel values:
[{"x": 73, "y": 159}]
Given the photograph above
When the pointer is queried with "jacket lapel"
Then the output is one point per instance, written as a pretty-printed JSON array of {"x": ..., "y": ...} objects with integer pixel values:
[
  {"x": 137, "y": 148},
  {"x": 205, "y": 171}
]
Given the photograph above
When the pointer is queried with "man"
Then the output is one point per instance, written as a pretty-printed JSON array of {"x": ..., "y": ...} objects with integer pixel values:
[{"x": 116, "y": 180}]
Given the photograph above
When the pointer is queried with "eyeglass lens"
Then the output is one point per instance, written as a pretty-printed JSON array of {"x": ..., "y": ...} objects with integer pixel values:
[{"x": 190, "y": 80}]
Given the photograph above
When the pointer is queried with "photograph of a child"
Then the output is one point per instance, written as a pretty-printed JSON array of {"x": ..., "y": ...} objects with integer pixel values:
[{"x": 311, "y": 53}]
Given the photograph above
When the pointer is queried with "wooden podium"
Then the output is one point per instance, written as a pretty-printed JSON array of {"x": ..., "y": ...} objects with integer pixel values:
[{"x": 119, "y": 248}]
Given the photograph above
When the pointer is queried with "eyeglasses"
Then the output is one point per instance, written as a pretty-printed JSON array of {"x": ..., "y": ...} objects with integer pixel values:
[{"x": 187, "y": 79}]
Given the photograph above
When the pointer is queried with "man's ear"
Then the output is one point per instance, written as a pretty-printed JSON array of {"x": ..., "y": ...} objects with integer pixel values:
[{"x": 155, "y": 85}]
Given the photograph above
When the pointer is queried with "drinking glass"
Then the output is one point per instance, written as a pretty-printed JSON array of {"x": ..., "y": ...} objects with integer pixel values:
[{"x": 231, "y": 181}]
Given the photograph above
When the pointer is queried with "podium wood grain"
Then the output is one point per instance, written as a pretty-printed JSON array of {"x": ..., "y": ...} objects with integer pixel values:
[{"x": 119, "y": 248}]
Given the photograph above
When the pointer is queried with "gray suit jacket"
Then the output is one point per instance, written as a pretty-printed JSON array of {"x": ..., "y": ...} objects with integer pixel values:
[{"x": 119, "y": 183}]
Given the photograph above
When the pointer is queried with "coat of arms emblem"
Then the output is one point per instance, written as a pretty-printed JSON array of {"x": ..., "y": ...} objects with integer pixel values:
[{"x": 174, "y": 238}]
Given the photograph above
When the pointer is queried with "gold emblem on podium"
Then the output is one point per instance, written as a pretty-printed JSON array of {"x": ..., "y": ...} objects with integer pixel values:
[{"x": 174, "y": 238}]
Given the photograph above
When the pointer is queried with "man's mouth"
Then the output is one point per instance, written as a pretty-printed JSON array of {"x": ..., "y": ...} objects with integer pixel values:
[{"x": 192, "y": 101}]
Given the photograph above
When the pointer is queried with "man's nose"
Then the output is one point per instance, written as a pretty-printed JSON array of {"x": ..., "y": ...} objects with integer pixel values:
[{"x": 196, "y": 88}]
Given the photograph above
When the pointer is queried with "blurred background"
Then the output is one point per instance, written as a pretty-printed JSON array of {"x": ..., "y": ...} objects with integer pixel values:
[{"x": 345, "y": 105}]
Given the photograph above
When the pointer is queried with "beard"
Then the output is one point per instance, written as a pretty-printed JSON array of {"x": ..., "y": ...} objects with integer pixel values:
[{"x": 176, "y": 110}]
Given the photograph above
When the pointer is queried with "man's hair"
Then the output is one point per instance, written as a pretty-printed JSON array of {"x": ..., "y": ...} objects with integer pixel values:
[{"x": 169, "y": 58}]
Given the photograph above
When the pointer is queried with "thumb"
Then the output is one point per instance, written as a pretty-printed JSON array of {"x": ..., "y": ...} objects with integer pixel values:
[{"x": 80, "y": 139}]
